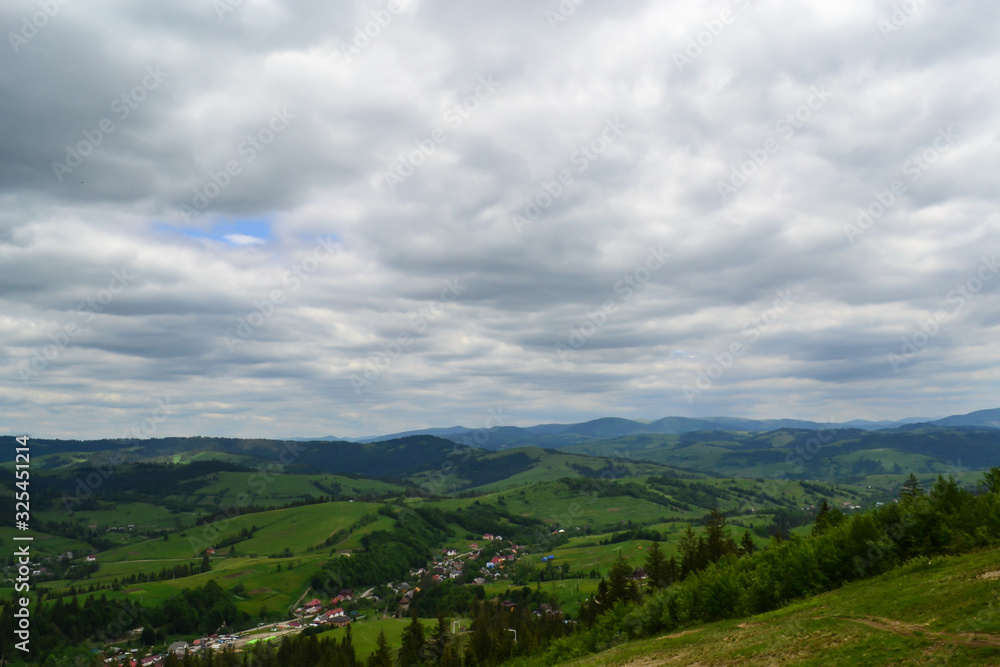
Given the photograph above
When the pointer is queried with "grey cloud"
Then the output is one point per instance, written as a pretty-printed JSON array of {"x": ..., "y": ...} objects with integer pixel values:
[{"x": 495, "y": 344}]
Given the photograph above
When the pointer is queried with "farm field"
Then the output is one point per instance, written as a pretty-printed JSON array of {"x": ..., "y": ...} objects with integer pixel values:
[{"x": 296, "y": 528}]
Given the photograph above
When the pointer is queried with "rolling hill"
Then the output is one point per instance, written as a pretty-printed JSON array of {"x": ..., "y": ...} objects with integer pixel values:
[{"x": 942, "y": 611}]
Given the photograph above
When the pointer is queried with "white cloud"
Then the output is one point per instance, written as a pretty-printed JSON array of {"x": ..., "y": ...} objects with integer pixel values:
[{"x": 163, "y": 335}]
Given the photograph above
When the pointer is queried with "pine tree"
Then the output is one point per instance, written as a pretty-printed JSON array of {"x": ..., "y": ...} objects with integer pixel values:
[
  {"x": 827, "y": 517},
  {"x": 450, "y": 657},
  {"x": 382, "y": 655},
  {"x": 671, "y": 571},
  {"x": 692, "y": 550},
  {"x": 655, "y": 566},
  {"x": 347, "y": 646},
  {"x": 747, "y": 546},
  {"x": 911, "y": 488},
  {"x": 619, "y": 586},
  {"x": 439, "y": 640},
  {"x": 718, "y": 541},
  {"x": 412, "y": 650}
]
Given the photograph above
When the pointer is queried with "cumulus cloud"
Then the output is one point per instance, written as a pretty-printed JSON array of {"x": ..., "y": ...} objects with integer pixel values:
[{"x": 289, "y": 218}]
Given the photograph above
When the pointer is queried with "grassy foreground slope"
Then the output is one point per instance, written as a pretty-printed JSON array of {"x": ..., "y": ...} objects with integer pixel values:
[{"x": 937, "y": 612}]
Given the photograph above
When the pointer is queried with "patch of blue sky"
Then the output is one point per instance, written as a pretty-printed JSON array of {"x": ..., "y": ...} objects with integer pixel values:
[{"x": 233, "y": 231}]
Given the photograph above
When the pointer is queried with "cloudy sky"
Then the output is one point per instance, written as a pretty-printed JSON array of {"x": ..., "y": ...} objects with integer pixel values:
[{"x": 297, "y": 218}]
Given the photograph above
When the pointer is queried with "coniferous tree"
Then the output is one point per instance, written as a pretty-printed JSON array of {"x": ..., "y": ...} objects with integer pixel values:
[
  {"x": 655, "y": 566},
  {"x": 439, "y": 640},
  {"x": 382, "y": 655},
  {"x": 412, "y": 651},
  {"x": 692, "y": 548},
  {"x": 747, "y": 546},
  {"x": 672, "y": 571},
  {"x": 450, "y": 657},
  {"x": 827, "y": 517},
  {"x": 619, "y": 586},
  {"x": 718, "y": 541},
  {"x": 347, "y": 648},
  {"x": 911, "y": 488}
]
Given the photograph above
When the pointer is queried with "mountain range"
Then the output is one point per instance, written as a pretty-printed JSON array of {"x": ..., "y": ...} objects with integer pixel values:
[{"x": 557, "y": 436}]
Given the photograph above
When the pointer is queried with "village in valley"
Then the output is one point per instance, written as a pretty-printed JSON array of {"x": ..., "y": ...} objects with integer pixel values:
[{"x": 348, "y": 607}]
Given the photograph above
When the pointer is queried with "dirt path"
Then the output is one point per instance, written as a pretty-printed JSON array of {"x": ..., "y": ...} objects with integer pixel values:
[
  {"x": 295, "y": 605},
  {"x": 912, "y": 630},
  {"x": 680, "y": 634}
]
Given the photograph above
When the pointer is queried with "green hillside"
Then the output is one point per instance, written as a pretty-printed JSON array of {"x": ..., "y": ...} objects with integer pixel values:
[
  {"x": 834, "y": 454},
  {"x": 946, "y": 611}
]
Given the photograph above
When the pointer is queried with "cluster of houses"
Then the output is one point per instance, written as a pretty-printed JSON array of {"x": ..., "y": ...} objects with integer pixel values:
[
  {"x": 452, "y": 565},
  {"x": 117, "y": 529},
  {"x": 131, "y": 658},
  {"x": 440, "y": 569},
  {"x": 313, "y": 613}
]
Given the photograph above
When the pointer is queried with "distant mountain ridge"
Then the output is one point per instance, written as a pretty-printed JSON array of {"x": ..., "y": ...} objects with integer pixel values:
[
  {"x": 557, "y": 436},
  {"x": 465, "y": 458},
  {"x": 990, "y": 418}
]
